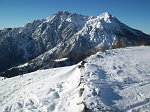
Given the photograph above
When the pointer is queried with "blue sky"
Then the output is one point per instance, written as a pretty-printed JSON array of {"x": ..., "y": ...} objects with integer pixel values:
[{"x": 135, "y": 13}]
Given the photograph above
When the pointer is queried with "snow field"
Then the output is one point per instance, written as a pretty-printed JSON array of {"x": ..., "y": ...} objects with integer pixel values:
[
  {"x": 117, "y": 80},
  {"x": 54, "y": 90}
]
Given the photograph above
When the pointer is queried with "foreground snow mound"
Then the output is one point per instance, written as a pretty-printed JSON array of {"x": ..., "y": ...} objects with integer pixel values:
[
  {"x": 54, "y": 90},
  {"x": 118, "y": 80}
]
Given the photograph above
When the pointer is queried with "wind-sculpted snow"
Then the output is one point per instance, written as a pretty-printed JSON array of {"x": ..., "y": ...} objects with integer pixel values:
[
  {"x": 53, "y": 90},
  {"x": 63, "y": 35}
]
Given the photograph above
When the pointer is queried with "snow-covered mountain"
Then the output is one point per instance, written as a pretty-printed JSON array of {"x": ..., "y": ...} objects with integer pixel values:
[
  {"x": 64, "y": 35},
  {"x": 117, "y": 80}
]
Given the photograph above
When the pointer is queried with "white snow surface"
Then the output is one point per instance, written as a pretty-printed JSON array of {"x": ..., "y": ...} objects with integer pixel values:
[
  {"x": 119, "y": 79},
  {"x": 62, "y": 59},
  {"x": 49, "y": 90},
  {"x": 116, "y": 80}
]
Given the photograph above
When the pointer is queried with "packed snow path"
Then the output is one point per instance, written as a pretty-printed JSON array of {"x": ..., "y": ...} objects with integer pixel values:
[
  {"x": 54, "y": 90},
  {"x": 118, "y": 80}
]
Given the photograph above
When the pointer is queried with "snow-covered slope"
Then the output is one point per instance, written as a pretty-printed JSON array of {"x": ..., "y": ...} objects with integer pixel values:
[
  {"x": 54, "y": 90},
  {"x": 119, "y": 79},
  {"x": 116, "y": 80},
  {"x": 62, "y": 35}
]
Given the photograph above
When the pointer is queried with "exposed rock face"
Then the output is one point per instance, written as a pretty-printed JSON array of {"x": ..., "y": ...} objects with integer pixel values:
[{"x": 62, "y": 35}]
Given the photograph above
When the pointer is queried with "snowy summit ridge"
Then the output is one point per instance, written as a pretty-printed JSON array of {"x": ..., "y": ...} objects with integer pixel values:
[{"x": 106, "y": 16}]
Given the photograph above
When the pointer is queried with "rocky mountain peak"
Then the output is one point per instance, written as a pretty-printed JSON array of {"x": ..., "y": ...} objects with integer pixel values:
[
  {"x": 107, "y": 17},
  {"x": 63, "y": 35}
]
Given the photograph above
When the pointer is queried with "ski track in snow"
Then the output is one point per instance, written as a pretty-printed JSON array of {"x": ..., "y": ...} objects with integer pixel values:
[{"x": 116, "y": 80}]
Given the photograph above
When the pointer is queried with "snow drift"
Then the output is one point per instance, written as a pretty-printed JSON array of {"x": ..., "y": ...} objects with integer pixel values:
[{"x": 54, "y": 90}]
